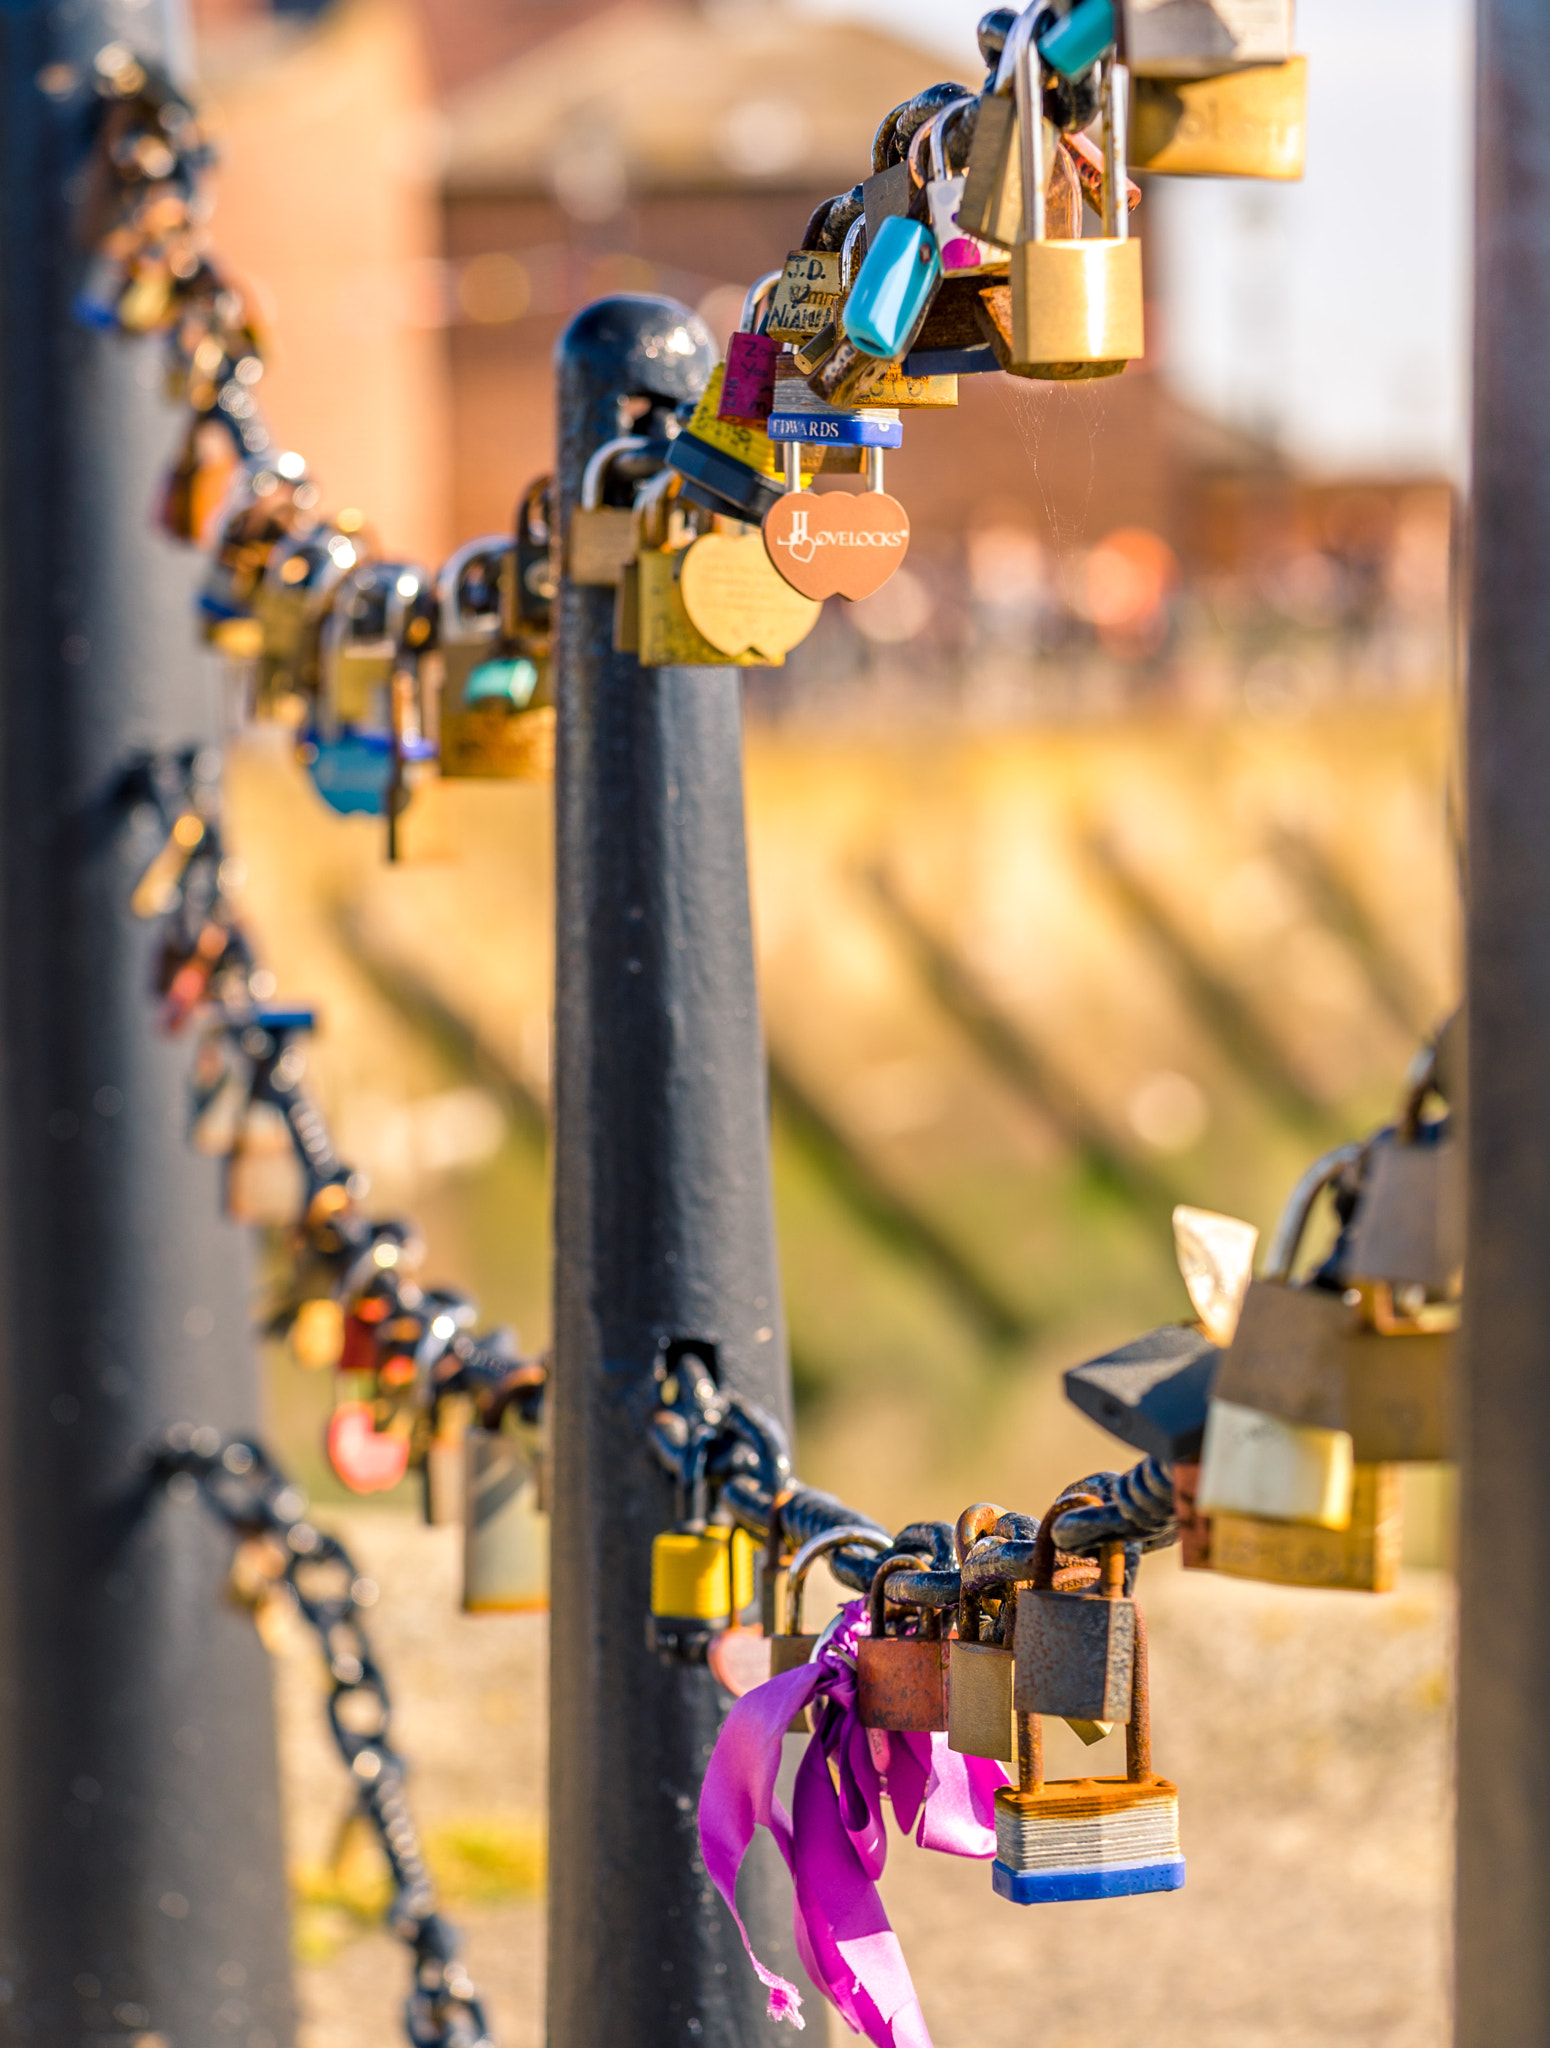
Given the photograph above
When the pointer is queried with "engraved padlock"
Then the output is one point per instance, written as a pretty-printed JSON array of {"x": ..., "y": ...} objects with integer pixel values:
[
  {"x": 1075, "y": 301},
  {"x": 901, "y": 1680},
  {"x": 1090, "y": 1838},
  {"x": 979, "y": 1672},
  {"x": 1075, "y": 1652},
  {"x": 748, "y": 385},
  {"x": 791, "y": 1646}
]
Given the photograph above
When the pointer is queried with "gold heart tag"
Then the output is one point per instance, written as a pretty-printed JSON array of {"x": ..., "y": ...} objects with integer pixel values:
[
  {"x": 736, "y": 600},
  {"x": 839, "y": 544}
]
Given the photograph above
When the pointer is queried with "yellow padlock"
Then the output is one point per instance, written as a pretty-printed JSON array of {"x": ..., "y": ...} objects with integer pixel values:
[{"x": 1243, "y": 124}]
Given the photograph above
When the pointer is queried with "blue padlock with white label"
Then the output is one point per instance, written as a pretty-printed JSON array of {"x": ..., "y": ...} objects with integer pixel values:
[{"x": 893, "y": 289}]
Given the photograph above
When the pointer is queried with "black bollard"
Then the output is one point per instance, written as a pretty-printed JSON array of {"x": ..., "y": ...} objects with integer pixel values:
[
  {"x": 1502, "y": 1972},
  {"x": 663, "y": 1231},
  {"x": 141, "y": 1877}
]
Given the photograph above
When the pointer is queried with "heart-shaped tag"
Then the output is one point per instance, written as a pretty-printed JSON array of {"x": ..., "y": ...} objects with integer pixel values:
[
  {"x": 736, "y": 600},
  {"x": 837, "y": 544},
  {"x": 366, "y": 1460},
  {"x": 740, "y": 1659}
]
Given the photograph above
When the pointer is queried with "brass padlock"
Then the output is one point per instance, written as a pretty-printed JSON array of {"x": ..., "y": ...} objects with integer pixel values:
[
  {"x": 290, "y": 604},
  {"x": 1089, "y": 1838},
  {"x": 1075, "y": 1652},
  {"x": 1257, "y": 1464},
  {"x": 602, "y": 536},
  {"x": 505, "y": 1535},
  {"x": 901, "y": 1681},
  {"x": 979, "y": 1674},
  {"x": 1363, "y": 1557},
  {"x": 1244, "y": 124},
  {"x": 1073, "y": 301},
  {"x": 497, "y": 715},
  {"x": 807, "y": 296},
  {"x": 790, "y": 1645}
]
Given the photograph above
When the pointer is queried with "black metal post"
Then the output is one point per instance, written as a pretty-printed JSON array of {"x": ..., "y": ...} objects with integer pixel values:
[
  {"x": 141, "y": 1877},
  {"x": 1503, "y": 1959},
  {"x": 663, "y": 1231}
]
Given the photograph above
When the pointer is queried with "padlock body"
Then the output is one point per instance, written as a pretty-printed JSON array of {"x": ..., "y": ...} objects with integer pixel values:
[
  {"x": 807, "y": 297},
  {"x": 901, "y": 1683},
  {"x": 1164, "y": 40},
  {"x": 1075, "y": 1655},
  {"x": 1361, "y": 1558},
  {"x": 893, "y": 288},
  {"x": 505, "y": 1537},
  {"x": 790, "y": 1653},
  {"x": 1077, "y": 301},
  {"x": 666, "y": 636},
  {"x": 496, "y": 742},
  {"x": 991, "y": 204},
  {"x": 748, "y": 386},
  {"x": 691, "y": 1576},
  {"x": 445, "y": 1479},
  {"x": 1305, "y": 1355},
  {"x": 1409, "y": 1224},
  {"x": 1244, "y": 124},
  {"x": 1256, "y": 1464},
  {"x": 979, "y": 1700},
  {"x": 1087, "y": 1838},
  {"x": 602, "y": 541}
]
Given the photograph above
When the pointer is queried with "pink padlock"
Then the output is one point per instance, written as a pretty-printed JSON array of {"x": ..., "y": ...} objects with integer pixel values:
[{"x": 748, "y": 387}]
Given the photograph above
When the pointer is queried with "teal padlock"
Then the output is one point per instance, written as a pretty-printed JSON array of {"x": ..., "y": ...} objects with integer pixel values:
[
  {"x": 893, "y": 289},
  {"x": 1079, "y": 39}
]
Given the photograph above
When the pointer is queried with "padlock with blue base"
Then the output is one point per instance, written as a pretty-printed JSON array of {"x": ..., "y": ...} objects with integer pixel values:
[
  {"x": 1089, "y": 1838},
  {"x": 800, "y": 416},
  {"x": 354, "y": 772}
]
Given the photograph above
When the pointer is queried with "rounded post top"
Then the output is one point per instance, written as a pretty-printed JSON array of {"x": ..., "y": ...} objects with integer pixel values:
[{"x": 636, "y": 344}]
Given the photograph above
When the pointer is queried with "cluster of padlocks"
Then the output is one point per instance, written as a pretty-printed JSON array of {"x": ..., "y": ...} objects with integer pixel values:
[{"x": 1271, "y": 1428}]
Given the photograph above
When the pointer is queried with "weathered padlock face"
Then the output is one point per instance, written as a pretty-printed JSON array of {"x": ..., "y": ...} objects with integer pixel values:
[
  {"x": 1244, "y": 124},
  {"x": 1151, "y": 1394},
  {"x": 505, "y": 1537},
  {"x": 901, "y": 1683},
  {"x": 1087, "y": 1838},
  {"x": 1409, "y": 1223},
  {"x": 807, "y": 297},
  {"x": 1075, "y": 1655},
  {"x": 979, "y": 1700},
  {"x": 1164, "y": 40},
  {"x": 1305, "y": 1355},
  {"x": 1077, "y": 301},
  {"x": 1256, "y": 1464},
  {"x": 1364, "y": 1557}
]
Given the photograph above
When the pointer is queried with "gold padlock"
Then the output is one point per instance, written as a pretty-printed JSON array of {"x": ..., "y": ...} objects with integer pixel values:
[
  {"x": 1363, "y": 1557},
  {"x": 808, "y": 295},
  {"x": 1243, "y": 124},
  {"x": 1163, "y": 40},
  {"x": 602, "y": 537},
  {"x": 1257, "y": 1464},
  {"x": 979, "y": 1674}
]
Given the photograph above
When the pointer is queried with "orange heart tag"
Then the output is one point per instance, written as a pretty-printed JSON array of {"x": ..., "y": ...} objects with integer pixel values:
[
  {"x": 839, "y": 544},
  {"x": 366, "y": 1460},
  {"x": 737, "y": 601}
]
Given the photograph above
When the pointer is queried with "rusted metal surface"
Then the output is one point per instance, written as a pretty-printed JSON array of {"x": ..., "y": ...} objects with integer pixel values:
[
  {"x": 1194, "y": 1527},
  {"x": 1075, "y": 1655},
  {"x": 901, "y": 1681}
]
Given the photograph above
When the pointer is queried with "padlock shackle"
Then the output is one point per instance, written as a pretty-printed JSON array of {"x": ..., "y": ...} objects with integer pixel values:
[
  {"x": 1042, "y": 1576},
  {"x": 455, "y": 623},
  {"x": 533, "y": 514},
  {"x": 1138, "y": 1729},
  {"x": 820, "y": 1546},
  {"x": 758, "y": 293},
  {"x": 855, "y": 234},
  {"x": 932, "y": 140},
  {"x": 597, "y": 467},
  {"x": 1292, "y": 1223},
  {"x": 975, "y": 1522},
  {"x": 877, "y": 1606},
  {"x": 1019, "y": 36}
]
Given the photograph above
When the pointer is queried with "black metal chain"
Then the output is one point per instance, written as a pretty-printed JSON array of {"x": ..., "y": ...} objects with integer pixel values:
[{"x": 301, "y": 1562}]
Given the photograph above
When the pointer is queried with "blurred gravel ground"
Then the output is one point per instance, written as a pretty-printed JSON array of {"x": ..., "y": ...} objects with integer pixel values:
[{"x": 1308, "y": 1733}]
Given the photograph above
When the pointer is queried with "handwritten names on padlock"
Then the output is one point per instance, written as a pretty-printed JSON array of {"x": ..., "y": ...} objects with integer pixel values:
[
  {"x": 735, "y": 598},
  {"x": 838, "y": 544},
  {"x": 807, "y": 296}
]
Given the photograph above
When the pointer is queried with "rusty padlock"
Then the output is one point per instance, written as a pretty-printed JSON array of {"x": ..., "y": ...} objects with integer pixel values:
[
  {"x": 901, "y": 1681},
  {"x": 790, "y": 1647},
  {"x": 1075, "y": 1652},
  {"x": 1089, "y": 1838}
]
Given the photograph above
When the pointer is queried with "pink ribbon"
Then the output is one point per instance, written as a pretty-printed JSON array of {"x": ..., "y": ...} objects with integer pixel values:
[{"x": 834, "y": 1840}]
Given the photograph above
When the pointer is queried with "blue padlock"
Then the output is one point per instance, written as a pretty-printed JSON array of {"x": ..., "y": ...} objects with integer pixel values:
[
  {"x": 893, "y": 289},
  {"x": 1076, "y": 42}
]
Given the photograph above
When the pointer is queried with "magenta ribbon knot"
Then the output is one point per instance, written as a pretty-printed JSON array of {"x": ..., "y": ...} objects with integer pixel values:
[{"x": 834, "y": 1840}]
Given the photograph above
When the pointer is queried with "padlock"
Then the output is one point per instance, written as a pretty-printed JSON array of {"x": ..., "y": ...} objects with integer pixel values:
[
  {"x": 888, "y": 302},
  {"x": 446, "y": 1462},
  {"x": 370, "y": 736},
  {"x": 265, "y": 1180},
  {"x": 1364, "y": 1557},
  {"x": 691, "y": 1590},
  {"x": 806, "y": 298},
  {"x": 992, "y": 202},
  {"x": 1075, "y": 301},
  {"x": 1074, "y": 1652},
  {"x": 1244, "y": 124},
  {"x": 901, "y": 1681},
  {"x": 1077, "y": 39},
  {"x": 650, "y": 620},
  {"x": 266, "y": 506},
  {"x": 602, "y": 536},
  {"x": 1164, "y": 40},
  {"x": 979, "y": 1673},
  {"x": 200, "y": 481},
  {"x": 1368, "y": 1354},
  {"x": 1089, "y": 1838},
  {"x": 840, "y": 543},
  {"x": 301, "y": 574},
  {"x": 1152, "y": 1393},
  {"x": 497, "y": 717},
  {"x": 505, "y": 1535},
  {"x": 789, "y": 1646},
  {"x": 748, "y": 385},
  {"x": 1253, "y": 1463},
  {"x": 725, "y": 467},
  {"x": 961, "y": 254}
]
